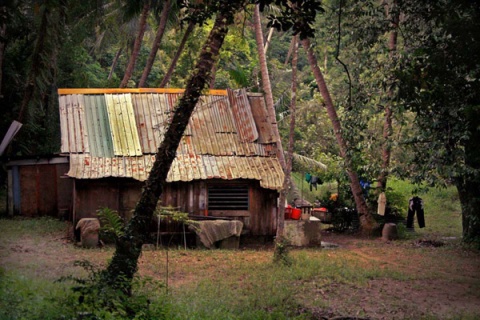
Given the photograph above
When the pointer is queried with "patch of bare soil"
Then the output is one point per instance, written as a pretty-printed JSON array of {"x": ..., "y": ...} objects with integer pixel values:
[{"x": 442, "y": 284}]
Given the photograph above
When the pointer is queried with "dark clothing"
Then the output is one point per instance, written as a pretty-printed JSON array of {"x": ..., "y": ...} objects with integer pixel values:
[
  {"x": 415, "y": 206},
  {"x": 314, "y": 181}
]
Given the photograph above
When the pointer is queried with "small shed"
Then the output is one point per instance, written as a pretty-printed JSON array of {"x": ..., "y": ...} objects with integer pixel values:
[
  {"x": 226, "y": 164},
  {"x": 38, "y": 186}
]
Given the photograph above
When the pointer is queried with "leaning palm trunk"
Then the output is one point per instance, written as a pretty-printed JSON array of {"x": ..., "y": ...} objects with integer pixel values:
[
  {"x": 123, "y": 265},
  {"x": 367, "y": 222},
  {"x": 173, "y": 64},
  {"x": 267, "y": 87},
  {"x": 136, "y": 46},
  {"x": 156, "y": 44},
  {"x": 291, "y": 141}
]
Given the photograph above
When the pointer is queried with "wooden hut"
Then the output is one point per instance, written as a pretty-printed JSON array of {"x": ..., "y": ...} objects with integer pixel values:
[{"x": 226, "y": 164}]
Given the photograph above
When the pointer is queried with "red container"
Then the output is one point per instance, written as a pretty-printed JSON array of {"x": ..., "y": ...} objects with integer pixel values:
[
  {"x": 288, "y": 213},
  {"x": 296, "y": 214}
]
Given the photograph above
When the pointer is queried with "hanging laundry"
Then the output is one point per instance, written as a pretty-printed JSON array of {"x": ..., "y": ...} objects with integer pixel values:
[
  {"x": 415, "y": 206},
  {"x": 314, "y": 181},
  {"x": 382, "y": 203},
  {"x": 308, "y": 177}
]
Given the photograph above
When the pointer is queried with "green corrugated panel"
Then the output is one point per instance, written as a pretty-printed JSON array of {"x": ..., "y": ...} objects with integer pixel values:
[
  {"x": 98, "y": 127},
  {"x": 122, "y": 124}
]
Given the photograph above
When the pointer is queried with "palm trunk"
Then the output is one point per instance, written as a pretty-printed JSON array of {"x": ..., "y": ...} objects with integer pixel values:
[
  {"x": 387, "y": 126},
  {"x": 36, "y": 57},
  {"x": 269, "y": 38},
  {"x": 173, "y": 64},
  {"x": 267, "y": 87},
  {"x": 137, "y": 45},
  {"x": 123, "y": 265},
  {"x": 3, "y": 33},
  {"x": 114, "y": 63},
  {"x": 367, "y": 222},
  {"x": 291, "y": 142},
  {"x": 156, "y": 44}
]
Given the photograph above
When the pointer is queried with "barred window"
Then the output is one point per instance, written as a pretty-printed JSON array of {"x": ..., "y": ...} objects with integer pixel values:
[{"x": 225, "y": 197}]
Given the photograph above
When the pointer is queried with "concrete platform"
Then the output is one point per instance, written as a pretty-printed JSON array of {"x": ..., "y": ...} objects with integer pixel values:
[{"x": 304, "y": 233}]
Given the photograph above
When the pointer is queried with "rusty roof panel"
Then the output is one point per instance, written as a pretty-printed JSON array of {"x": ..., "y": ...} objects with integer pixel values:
[
  {"x": 184, "y": 168},
  {"x": 242, "y": 112},
  {"x": 72, "y": 118},
  {"x": 221, "y": 141}
]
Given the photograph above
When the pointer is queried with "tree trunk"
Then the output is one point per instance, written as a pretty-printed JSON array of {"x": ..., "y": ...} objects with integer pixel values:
[
  {"x": 468, "y": 185},
  {"x": 387, "y": 126},
  {"x": 212, "y": 77},
  {"x": 36, "y": 62},
  {"x": 291, "y": 142},
  {"x": 269, "y": 38},
  {"x": 137, "y": 45},
  {"x": 367, "y": 222},
  {"x": 114, "y": 63},
  {"x": 267, "y": 88},
  {"x": 468, "y": 191},
  {"x": 3, "y": 34},
  {"x": 173, "y": 64},
  {"x": 123, "y": 265},
  {"x": 156, "y": 44}
]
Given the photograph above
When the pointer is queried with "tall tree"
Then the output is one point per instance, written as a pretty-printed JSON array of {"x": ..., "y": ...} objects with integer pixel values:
[
  {"x": 266, "y": 85},
  {"x": 440, "y": 82},
  {"x": 142, "y": 25},
  {"x": 156, "y": 43},
  {"x": 393, "y": 16},
  {"x": 173, "y": 63},
  {"x": 367, "y": 222},
  {"x": 291, "y": 143}
]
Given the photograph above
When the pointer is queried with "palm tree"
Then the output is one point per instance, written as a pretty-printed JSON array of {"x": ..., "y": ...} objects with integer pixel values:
[
  {"x": 393, "y": 14},
  {"x": 180, "y": 48},
  {"x": 267, "y": 87},
  {"x": 367, "y": 222},
  {"x": 137, "y": 45},
  {"x": 288, "y": 167},
  {"x": 156, "y": 43}
]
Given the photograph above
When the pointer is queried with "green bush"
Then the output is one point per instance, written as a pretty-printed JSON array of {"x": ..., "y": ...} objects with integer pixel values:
[{"x": 93, "y": 299}]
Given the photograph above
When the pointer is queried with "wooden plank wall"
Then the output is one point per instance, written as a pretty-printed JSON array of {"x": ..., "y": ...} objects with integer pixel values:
[
  {"x": 191, "y": 197},
  {"x": 43, "y": 191}
]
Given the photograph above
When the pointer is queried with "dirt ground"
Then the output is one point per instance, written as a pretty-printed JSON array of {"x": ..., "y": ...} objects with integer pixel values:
[
  {"x": 445, "y": 281},
  {"x": 444, "y": 276}
]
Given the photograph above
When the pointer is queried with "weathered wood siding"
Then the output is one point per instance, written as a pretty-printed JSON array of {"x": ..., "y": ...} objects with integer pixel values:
[
  {"x": 192, "y": 197},
  {"x": 41, "y": 190}
]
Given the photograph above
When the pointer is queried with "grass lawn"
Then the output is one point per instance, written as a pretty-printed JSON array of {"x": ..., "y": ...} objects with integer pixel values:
[{"x": 426, "y": 275}]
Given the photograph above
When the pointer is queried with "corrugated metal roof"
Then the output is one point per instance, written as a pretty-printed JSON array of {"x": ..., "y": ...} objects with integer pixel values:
[{"x": 116, "y": 133}]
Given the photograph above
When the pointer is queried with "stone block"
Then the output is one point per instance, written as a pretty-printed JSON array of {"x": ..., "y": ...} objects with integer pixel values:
[
  {"x": 89, "y": 229},
  {"x": 303, "y": 233}
]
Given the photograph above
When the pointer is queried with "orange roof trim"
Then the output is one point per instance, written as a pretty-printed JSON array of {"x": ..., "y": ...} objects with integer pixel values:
[{"x": 62, "y": 91}]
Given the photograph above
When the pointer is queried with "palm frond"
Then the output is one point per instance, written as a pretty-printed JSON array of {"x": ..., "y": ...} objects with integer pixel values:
[{"x": 308, "y": 162}]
